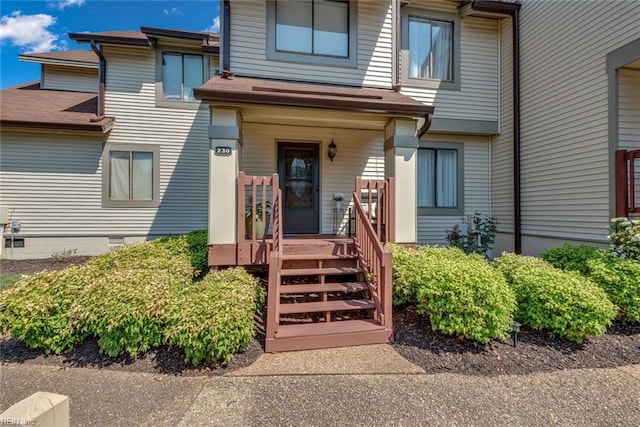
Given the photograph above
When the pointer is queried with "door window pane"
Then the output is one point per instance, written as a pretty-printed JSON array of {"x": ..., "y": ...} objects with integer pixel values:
[{"x": 298, "y": 180}]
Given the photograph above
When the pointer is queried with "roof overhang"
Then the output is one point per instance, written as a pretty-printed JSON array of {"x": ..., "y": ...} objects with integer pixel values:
[
  {"x": 109, "y": 39},
  {"x": 245, "y": 90},
  {"x": 489, "y": 8},
  {"x": 103, "y": 126}
]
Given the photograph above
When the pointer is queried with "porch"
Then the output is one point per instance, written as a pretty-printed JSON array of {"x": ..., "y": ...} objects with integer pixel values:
[{"x": 323, "y": 290}]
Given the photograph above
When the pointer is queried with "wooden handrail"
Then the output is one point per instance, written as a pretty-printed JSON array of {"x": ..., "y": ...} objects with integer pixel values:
[
  {"x": 379, "y": 201},
  {"x": 627, "y": 187},
  {"x": 375, "y": 259}
]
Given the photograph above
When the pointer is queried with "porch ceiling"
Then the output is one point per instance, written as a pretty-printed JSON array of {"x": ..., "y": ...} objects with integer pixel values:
[{"x": 245, "y": 90}]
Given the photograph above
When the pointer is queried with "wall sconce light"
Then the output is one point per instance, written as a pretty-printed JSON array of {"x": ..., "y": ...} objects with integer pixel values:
[{"x": 332, "y": 150}]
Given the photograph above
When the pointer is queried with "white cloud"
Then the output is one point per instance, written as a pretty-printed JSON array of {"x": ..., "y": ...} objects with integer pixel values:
[
  {"x": 215, "y": 26},
  {"x": 66, "y": 3},
  {"x": 172, "y": 11},
  {"x": 30, "y": 32}
]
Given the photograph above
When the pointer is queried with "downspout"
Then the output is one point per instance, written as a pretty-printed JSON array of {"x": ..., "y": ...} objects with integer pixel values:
[
  {"x": 428, "y": 118},
  {"x": 517, "y": 210},
  {"x": 226, "y": 35},
  {"x": 395, "y": 40},
  {"x": 102, "y": 78}
]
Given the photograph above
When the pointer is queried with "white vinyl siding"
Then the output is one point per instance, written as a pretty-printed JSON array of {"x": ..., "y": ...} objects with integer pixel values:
[
  {"x": 477, "y": 98},
  {"x": 564, "y": 87},
  {"x": 182, "y": 136},
  {"x": 360, "y": 153},
  {"x": 502, "y": 145},
  {"x": 248, "y": 51},
  {"x": 629, "y": 108},
  {"x": 74, "y": 79},
  {"x": 432, "y": 228}
]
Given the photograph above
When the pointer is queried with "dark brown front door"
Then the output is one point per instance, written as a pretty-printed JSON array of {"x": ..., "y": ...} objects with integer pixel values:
[{"x": 299, "y": 181}]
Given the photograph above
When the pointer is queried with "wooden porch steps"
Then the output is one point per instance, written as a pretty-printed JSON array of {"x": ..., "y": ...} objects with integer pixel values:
[
  {"x": 322, "y": 306},
  {"x": 323, "y": 287},
  {"x": 323, "y": 298}
]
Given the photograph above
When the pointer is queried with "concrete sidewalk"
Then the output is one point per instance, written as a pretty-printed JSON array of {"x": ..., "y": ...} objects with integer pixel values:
[{"x": 320, "y": 388}]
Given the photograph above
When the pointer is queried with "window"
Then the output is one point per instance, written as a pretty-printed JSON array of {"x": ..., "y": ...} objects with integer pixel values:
[
  {"x": 181, "y": 73},
  {"x": 130, "y": 175},
  {"x": 440, "y": 180},
  {"x": 312, "y": 31},
  {"x": 430, "y": 49}
]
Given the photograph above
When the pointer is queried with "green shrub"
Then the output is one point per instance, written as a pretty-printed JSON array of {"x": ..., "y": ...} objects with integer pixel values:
[
  {"x": 213, "y": 319},
  {"x": 620, "y": 278},
  {"x": 156, "y": 254},
  {"x": 566, "y": 304},
  {"x": 474, "y": 236},
  {"x": 461, "y": 294},
  {"x": 198, "y": 243},
  {"x": 573, "y": 258},
  {"x": 125, "y": 306},
  {"x": 35, "y": 310}
]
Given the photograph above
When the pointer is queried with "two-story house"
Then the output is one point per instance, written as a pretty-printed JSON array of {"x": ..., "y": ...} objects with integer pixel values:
[{"x": 430, "y": 110}]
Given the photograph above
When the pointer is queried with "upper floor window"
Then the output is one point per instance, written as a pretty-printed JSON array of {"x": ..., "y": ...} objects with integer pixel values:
[
  {"x": 181, "y": 73},
  {"x": 312, "y": 31},
  {"x": 430, "y": 49},
  {"x": 316, "y": 27},
  {"x": 440, "y": 180}
]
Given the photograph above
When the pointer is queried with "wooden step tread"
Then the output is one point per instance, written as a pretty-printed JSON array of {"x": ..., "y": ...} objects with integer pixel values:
[
  {"x": 320, "y": 306},
  {"x": 316, "y": 271},
  {"x": 328, "y": 328},
  {"x": 312, "y": 257},
  {"x": 323, "y": 287}
]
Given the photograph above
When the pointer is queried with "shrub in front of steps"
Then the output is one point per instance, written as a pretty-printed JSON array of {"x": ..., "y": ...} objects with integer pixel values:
[
  {"x": 214, "y": 318},
  {"x": 566, "y": 304},
  {"x": 198, "y": 247},
  {"x": 463, "y": 296},
  {"x": 35, "y": 310}
]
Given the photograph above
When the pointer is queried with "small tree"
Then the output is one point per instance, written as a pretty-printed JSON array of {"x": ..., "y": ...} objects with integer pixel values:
[{"x": 474, "y": 236}]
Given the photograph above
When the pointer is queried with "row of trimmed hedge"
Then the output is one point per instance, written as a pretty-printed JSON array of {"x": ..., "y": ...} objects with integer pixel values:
[
  {"x": 136, "y": 298},
  {"x": 465, "y": 295},
  {"x": 618, "y": 277}
]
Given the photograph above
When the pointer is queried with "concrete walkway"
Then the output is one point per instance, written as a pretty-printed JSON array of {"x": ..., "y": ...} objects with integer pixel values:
[{"x": 331, "y": 387}]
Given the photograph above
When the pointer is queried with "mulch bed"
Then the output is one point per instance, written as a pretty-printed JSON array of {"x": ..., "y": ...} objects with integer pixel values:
[{"x": 413, "y": 339}]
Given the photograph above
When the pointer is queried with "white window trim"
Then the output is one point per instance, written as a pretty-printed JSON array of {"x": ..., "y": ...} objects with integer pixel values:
[
  {"x": 350, "y": 62},
  {"x": 106, "y": 176},
  {"x": 161, "y": 101},
  {"x": 459, "y": 209},
  {"x": 431, "y": 83}
]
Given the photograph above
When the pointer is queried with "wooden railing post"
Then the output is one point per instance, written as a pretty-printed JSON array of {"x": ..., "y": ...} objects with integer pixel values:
[
  {"x": 622, "y": 184},
  {"x": 241, "y": 206}
]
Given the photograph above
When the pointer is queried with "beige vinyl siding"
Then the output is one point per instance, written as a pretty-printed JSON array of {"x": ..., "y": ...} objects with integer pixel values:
[
  {"x": 432, "y": 228},
  {"x": 565, "y": 149},
  {"x": 360, "y": 153},
  {"x": 629, "y": 109},
  {"x": 502, "y": 145},
  {"x": 477, "y": 98},
  {"x": 182, "y": 135},
  {"x": 249, "y": 47},
  {"x": 52, "y": 184},
  {"x": 75, "y": 79}
]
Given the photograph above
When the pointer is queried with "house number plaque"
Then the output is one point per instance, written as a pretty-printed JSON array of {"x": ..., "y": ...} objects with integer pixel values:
[{"x": 223, "y": 151}]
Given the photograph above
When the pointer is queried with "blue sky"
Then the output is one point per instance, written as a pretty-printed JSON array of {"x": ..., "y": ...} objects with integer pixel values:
[{"x": 42, "y": 26}]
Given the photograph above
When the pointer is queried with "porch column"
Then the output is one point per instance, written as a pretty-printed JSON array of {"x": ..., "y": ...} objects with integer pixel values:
[
  {"x": 401, "y": 158},
  {"x": 225, "y": 143}
]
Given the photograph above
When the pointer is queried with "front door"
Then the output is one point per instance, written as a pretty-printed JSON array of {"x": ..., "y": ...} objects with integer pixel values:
[{"x": 299, "y": 181}]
